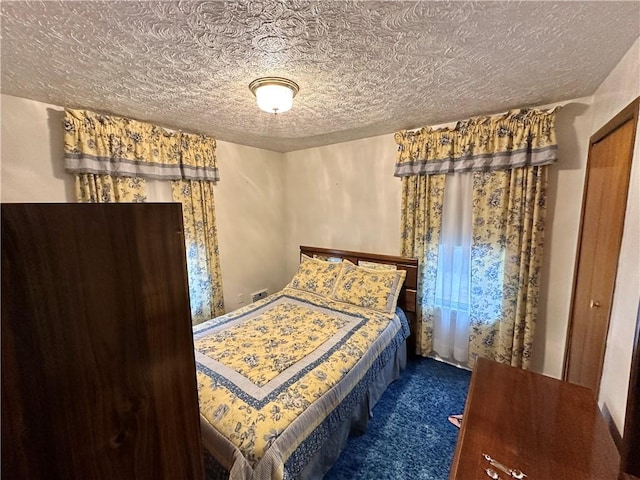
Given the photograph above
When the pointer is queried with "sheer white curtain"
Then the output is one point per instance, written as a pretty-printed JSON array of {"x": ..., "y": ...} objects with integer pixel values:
[{"x": 451, "y": 322}]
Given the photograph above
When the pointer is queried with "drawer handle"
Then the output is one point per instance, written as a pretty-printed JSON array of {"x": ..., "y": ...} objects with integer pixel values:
[
  {"x": 594, "y": 304},
  {"x": 491, "y": 473},
  {"x": 513, "y": 473}
]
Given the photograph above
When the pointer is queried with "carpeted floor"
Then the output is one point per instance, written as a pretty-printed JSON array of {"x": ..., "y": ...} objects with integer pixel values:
[{"x": 409, "y": 436}]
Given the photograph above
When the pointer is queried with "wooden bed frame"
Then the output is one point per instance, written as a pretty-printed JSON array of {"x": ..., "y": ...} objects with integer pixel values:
[{"x": 408, "y": 299}]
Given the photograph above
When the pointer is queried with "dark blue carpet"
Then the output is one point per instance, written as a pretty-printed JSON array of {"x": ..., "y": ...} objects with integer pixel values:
[{"x": 409, "y": 436}]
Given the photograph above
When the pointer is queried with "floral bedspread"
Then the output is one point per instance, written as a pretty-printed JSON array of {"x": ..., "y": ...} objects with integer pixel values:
[{"x": 270, "y": 373}]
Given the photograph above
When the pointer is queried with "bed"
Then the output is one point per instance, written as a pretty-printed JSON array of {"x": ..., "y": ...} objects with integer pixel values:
[{"x": 283, "y": 381}]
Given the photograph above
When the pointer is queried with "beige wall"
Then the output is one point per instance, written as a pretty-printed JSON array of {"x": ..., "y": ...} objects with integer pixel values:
[
  {"x": 249, "y": 196},
  {"x": 250, "y": 219},
  {"x": 342, "y": 196},
  {"x": 619, "y": 89},
  {"x": 32, "y": 153},
  {"x": 564, "y": 203}
]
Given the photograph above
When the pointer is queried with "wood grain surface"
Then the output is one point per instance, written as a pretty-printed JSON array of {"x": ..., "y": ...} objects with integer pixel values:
[
  {"x": 546, "y": 428},
  {"x": 598, "y": 250},
  {"x": 98, "y": 373}
]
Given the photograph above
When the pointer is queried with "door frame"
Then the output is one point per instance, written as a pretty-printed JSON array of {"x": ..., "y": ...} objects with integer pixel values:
[{"x": 630, "y": 112}]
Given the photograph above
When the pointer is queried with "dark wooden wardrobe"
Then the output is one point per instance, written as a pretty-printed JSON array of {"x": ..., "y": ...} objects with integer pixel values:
[{"x": 98, "y": 375}]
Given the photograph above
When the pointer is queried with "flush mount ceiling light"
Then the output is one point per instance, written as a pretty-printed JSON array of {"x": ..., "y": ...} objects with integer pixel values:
[{"x": 274, "y": 94}]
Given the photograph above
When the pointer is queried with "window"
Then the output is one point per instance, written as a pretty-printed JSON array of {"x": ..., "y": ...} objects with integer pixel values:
[{"x": 453, "y": 279}]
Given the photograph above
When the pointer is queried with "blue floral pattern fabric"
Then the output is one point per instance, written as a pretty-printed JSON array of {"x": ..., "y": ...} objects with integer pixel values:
[
  {"x": 369, "y": 288},
  {"x": 270, "y": 373},
  {"x": 506, "y": 258},
  {"x": 519, "y": 138},
  {"x": 509, "y": 156},
  {"x": 316, "y": 276},
  {"x": 421, "y": 220}
]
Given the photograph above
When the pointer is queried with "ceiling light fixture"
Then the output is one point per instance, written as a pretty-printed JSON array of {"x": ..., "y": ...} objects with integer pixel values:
[{"x": 274, "y": 94}]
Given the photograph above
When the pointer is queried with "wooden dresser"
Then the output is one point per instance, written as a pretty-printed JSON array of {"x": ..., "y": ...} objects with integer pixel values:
[
  {"x": 543, "y": 427},
  {"x": 98, "y": 373}
]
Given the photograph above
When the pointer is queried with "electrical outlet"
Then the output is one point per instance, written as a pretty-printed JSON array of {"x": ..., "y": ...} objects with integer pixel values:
[
  {"x": 258, "y": 295},
  {"x": 240, "y": 298}
]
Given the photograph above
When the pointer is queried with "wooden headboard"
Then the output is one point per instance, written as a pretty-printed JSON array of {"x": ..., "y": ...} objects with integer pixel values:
[{"x": 408, "y": 295}]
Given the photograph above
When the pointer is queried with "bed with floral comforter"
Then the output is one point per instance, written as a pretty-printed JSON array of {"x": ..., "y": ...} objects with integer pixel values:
[{"x": 275, "y": 378}]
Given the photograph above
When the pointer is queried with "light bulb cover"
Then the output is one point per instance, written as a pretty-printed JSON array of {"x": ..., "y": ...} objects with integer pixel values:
[{"x": 274, "y": 94}]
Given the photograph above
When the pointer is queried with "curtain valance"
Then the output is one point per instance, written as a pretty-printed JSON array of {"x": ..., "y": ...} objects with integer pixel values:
[
  {"x": 121, "y": 147},
  {"x": 516, "y": 139}
]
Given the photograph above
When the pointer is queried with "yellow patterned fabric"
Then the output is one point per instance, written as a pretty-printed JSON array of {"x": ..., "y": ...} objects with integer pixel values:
[
  {"x": 376, "y": 265},
  {"x": 316, "y": 276},
  {"x": 107, "y": 189},
  {"x": 375, "y": 289},
  {"x": 267, "y": 346},
  {"x": 421, "y": 222},
  {"x": 198, "y": 157},
  {"x": 509, "y": 155},
  {"x": 121, "y": 147},
  {"x": 201, "y": 244},
  {"x": 506, "y": 257},
  {"x": 517, "y": 139},
  {"x": 268, "y": 374}
]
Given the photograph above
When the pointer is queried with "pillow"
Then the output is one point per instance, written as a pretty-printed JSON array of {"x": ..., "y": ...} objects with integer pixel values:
[
  {"x": 375, "y": 289},
  {"x": 323, "y": 258},
  {"x": 316, "y": 276},
  {"x": 377, "y": 266}
]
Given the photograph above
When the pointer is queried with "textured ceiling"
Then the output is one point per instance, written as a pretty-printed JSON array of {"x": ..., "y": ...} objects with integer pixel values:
[{"x": 364, "y": 68}]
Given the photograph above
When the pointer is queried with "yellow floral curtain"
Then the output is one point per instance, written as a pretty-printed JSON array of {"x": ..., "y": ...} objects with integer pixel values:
[
  {"x": 421, "y": 220},
  {"x": 201, "y": 237},
  {"x": 121, "y": 147},
  {"x": 92, "y": 188},
  {"x": 509, "y": 155},
  {"x": 516, "y": 139},
  {"x": 112, "y": 156},
  {"x": 506, "y": 257}
]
